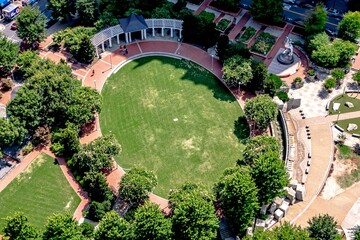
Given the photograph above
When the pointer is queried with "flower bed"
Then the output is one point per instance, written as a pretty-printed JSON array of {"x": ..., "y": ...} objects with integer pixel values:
[
  {"x": 264, "y": 43},
  {"x": 247, "y": 34},
  {"x": 223, "y": 24}
]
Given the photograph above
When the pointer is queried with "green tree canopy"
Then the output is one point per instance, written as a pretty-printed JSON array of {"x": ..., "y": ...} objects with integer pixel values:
[
  {"x": 315, "y": 23},
  {"x": 61, "y": 9},
  {"x": 193, "y": 213},
  {"x": 285, "y": 231},
  {"x": 88, "y": 11},
  {"x": 356, "y": 77},
  {"x": 269, "y": 11},
  {"x": 323, "y": 227},
  {"x": 18, "y": 228},
  {"x": 8, "y": 54},
  {"x": 262, "y": 110},
  {"x": 349, "y": 27},
  {"x": 357, "y": 233},
  {"x": 260, "y": 74},
  {"x": 150, "y": 223},
  {"x": 95, "y": 184},
  {"x": 31, "y": 25},
  {"x": 62, "y": 227},
  {"x": 11, "y": 132},
  {"x": 237, "y": 70},
  {"x": 77, "y": 41},
  {"x": 237, "y": 193},
  {"x": 136, "y": 184},
  {"x": 270, "y": 176},
  {"x": 65, "y": 141},
  {"x": 112, "y": 227}
]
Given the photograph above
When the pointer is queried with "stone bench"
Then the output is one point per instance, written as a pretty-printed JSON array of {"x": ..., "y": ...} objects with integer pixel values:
[
  {"x": 356, "y": 135},
  {"x": 339, "y": 128}
]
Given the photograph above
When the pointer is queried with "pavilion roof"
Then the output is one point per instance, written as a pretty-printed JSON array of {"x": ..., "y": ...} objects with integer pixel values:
[{"x": 133, "y": 23}]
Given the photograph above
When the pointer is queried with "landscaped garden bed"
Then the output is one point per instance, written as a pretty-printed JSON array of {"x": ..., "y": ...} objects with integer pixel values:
[
  {"x": 264, "y": 43},
  {"x": 223, "y": 24},
  {"x": 351, "y": 160},
  {"x": 172, "y": 125},
  {"x": 342, "y": 99},
  {"x": 247, "y": 34},
  {"x": 38, "y": 192},
  {"x": 345, "y": 123}
]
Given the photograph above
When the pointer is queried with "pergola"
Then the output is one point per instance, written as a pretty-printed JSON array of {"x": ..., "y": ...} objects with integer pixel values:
[{"x": 108, "y": 34}]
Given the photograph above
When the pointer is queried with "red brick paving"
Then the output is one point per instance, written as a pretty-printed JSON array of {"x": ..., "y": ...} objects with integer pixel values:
[
  {"x": 236, "y": 30},
  {"x": 216, "y": 20},
  {"x": 202, "y": 6}
]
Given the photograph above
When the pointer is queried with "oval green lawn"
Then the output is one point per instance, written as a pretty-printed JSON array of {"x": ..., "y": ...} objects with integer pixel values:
[{"x": 173, "y": 117}]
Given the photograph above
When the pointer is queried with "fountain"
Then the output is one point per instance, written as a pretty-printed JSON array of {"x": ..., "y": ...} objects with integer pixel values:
[{"x": 287, "y": 56}]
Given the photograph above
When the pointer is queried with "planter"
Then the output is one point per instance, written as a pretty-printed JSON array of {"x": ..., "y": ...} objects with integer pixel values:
[{"x": 223, "y": 24}]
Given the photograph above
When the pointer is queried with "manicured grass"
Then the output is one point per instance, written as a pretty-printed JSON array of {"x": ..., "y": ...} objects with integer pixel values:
[
  {"x": 343, "y": 109},
  {"x": 173, "y": 117},
  {"x": 345, "y": 123},
  {"x": 39, "y": 191}
]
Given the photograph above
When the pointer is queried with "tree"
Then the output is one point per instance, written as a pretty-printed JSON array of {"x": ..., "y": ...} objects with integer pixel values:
[
  {"x": 193, "y": 213},
  {"x": 284, "y": 231},
  {"x": 326, "y": 56},
  {"x": 8, "y": 54},
  {"x": 260, "y": 74},
  {"x": 315, "y": 23},
  {"x": 11, "y": 132},
  {"x": 97, "y": 210},
  {"x": 346, "y": 50},
  {"x": 62, "y": 227},
  {"x": 237, "y": 70},
  {"x": 357, "y": 233},
  {"x": 150, "y": 223},
  {"x": 136, "y": 184},
  {"x": 356, "y": 77},
  {"x": 330, "y": 84},
  {"x": 222, "y": 46},
  {"x": 354, "y": 5},
  {"x": 87, "y": 230},
  {"x": 349, "y": 27},
  {"x": 31, "y": 25},
  {"x": 18, "y": 228},
  {"x": 315, "y": 41},
  {"x": 237, "y": 193},
  {"x": 87, "y": 11},
  {"x": 236, "y": 49},
  {"x": 41, "y": 136},
  {"x": 61, "y": 9},
  {"x": 112, "y": 227},
  {"x": 338, "y": 74},
  {"x": 95, "y": 185},
  {"x": 270, "y": 176},
  {"x": 77, "y": 41},
  {"x": 65, "y": 141},
  {"x": 271, "y": 84},
  {"x": 323, "y": 227},
  {"x": 262, "y": 110},
  {"x": 269, "y": 11}
]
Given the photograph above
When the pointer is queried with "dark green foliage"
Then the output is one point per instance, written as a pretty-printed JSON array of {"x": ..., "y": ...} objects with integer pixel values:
[
  {"x": 237, "y": 70},
  {"x": 200, "y": 30},
  {"x": 330, "y": 83},
  {"x": 150, "y": 223},
  {"x": 241, "y": 128},
  {"x": 226, "y": 5},
  {"x": 11, "y": 132},
  {"x": 87, "y": 229},
  {"x": 61, "y": 9},
  {"x": 283, "y": 96},
  {"x": 223, "y": 24},
  {"x": 193, "y": 213},
  {"x": 106, "y": 20},
  {"x": 77, "y": 42},
  {"x": 236, "y": 49},
  {"x": 94, "y": 183},
  {"x": 268, "y": 11},
  {"x": 136, "y": 184},
  {"x": 269, "y": 170},
  {"x": 349, "y": 27},
  {"x": 285, "y": 231},
  {"x": 258, "y": 146},
  {"x": 112, "y": 227},
  {"x": 31, "y": 25},
  {"x": 65, "y": 141},
  {"x": 87, "y": 11},
  {"x": 62, "y": 227},
  {"x": 354, "y": 5},
  {"x": 338, "y": 74},
  {"x": 262, "y": 110},
  {"x": 222, "y": 46},
  {"x": 356, "y": 77},
  {"x": 179, "y": 5},
  {"x": 263, "y": 43},
  {"x": 97, "y": 210},
  {"x": 315, "y": 23},
  {"x": 247, "y": 34},
  {"x": 357, "y": 233},
  {"x": 237, "y": 193},
  {"x": 260, "y": 75},
  {"x": 323, "y": 227},
  {"x": 8, "y": 54},
  {"x": 18, "y": 228}
]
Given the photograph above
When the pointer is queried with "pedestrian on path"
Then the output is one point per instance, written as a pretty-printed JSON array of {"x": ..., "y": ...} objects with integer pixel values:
[{"x": 93, "y": 73}]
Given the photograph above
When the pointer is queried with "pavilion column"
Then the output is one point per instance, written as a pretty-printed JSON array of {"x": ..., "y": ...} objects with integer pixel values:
[
  {"x": 162, "y": 32},
  {"x": 102, "y": 46},
  {"x": 153, "y": 32},
  {"x": 110, "y": 42},
  {"x": 180, "y": 33},
  {"x": 145, "y": 33},
  {"x": 171, "y": 32},
  {"x": 126, "y": 38},
  {"x": 117, "y": 39},
  {"x": 130, "y": 37},
  {"x": 142, "y": 34},
  {"x": 97, "y": 51}
]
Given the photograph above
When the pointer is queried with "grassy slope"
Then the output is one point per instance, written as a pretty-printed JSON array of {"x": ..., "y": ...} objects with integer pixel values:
[
  {"x": 345, "y": 123},
  {"x": 343, "y": 109},
  {"x": 141, "y": 104},
  {"x": 38, "y": 192}
]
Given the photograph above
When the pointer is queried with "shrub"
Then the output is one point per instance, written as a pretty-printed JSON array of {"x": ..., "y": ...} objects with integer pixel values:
[
  {"x": 97, "y": 210},
  {"x": 311, "y": 72},
  {"x": 338, "y": 74},
  {"x": 264, "y": 43},
  {"x": 330, "y": 83},
  {"x": 223, "y": 24},
  {"x": 283, "y": 96},
  {"x": 248, "y": 33},
  {"x": 27, "y": 148},
  {"x": 298, "y": 80}
]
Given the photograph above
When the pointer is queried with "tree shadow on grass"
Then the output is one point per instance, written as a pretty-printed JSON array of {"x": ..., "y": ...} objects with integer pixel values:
[
  {"x": 194, "y": 73},
  {"x": 241, "y": 129}
]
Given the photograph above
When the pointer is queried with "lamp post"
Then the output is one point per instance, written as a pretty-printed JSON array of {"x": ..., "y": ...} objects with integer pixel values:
[
  {"x": 239, "y": 90},
  {"x": 212, "y": 62},
  {"x": 111, "y": 61},
  {"x": 95, "y": 84},
  {"x": 338, "y": 117}
]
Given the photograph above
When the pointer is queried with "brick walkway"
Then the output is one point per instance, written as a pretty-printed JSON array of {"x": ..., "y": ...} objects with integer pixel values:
[
  {"x": 236, "y": 30},
  {"x": 202, "y": 6}
]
